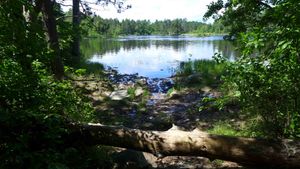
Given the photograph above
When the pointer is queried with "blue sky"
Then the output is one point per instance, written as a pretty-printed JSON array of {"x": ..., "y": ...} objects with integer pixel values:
[{"x": 192, "y": 10}]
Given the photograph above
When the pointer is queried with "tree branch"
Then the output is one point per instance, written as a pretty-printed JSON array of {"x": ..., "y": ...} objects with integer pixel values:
[{"x": 264, "y": 4}]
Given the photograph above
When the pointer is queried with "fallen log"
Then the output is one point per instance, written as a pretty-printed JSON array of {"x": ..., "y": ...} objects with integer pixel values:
[{"x": 283, "y": 153}]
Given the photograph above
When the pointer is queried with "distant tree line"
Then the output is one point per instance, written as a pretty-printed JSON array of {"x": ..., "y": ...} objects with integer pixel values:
[{"x": 95, "y": 26}]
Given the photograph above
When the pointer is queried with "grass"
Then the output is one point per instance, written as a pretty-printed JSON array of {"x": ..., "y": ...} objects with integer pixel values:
[
  {"x": 208, "y": 73},
  {"x": 93, "y": 68},
  {"x": 224, "y": 128},
  {"x": 229, "y": 128},
  {"x": 131, "y": 92},
  {"x": 208, "y": 67},
  {"x": 200, "y": 72}
]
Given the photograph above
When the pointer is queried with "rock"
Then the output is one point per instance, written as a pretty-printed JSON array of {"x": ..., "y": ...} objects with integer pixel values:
[
  {"x": 151, "y": 159},
  {"x": 142, "y": 81},
  {"x": 159, "y": 85},
  {"x": 80, "y": 84},
  {"x": 206, "y": 89},
  {"x": 122, "y": 86},
  {"x": 119, "y": 95},
  {"x": 96, "y": 93},
  {"x": 174, "y": 94},
  {"x": 91, "y": 86},
  {"x": 97, "y": 100},
  {"x": 138, "y": 91},
  {"x": 134, "y": 159},
  {"x": 106, "y": 93},
  {"x": 194, "y": 78},
  {"x": 147, "y": 125}
]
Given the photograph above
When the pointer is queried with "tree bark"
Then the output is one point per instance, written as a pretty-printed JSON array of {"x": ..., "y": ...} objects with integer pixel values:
[
  {"x": 50, "y": 22},
  {"x": 76, "y": 34},
  {"x": 249, "y": 151}
]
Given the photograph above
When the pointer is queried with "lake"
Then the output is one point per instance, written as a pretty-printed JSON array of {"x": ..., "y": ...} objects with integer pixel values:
[{"x": 153, "y": 56}]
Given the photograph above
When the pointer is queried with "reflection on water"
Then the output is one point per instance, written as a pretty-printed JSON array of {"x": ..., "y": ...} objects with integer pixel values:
[{"x": 153, "y": 56}]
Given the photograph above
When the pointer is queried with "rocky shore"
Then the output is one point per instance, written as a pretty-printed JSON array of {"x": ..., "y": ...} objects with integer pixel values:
[{"x": 151, "y": 104}]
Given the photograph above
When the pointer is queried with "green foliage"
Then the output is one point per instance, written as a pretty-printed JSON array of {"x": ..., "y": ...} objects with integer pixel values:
[
  {"x": 170, "y": 91},
  {"x": 266, "y": 77},
  {"x": 251, "y": 128},
  {"x": 86, "y": 157},
  {"x": 80, "y": 72},
  {"x": 141, "y": 99},
  {"x": 131, "y": 92},
  {"x": 33, "y": 114},
  {"x": 224, "y": 129},
  {"x": 207, "y": 67},
  {"x": 34, "y": 108},
  {"x": 238, "y": 16},
  {"x": 65, "y": 33},
  {"x": 97, "y": 26},
  {"x": 201, "y": 72},
  {"x": 217, "y": 28}
]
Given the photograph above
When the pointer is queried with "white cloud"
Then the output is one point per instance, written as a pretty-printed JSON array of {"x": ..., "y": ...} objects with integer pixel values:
[
  {"x": 158, "y": 9},
  {"x": 193, "y": 10}
]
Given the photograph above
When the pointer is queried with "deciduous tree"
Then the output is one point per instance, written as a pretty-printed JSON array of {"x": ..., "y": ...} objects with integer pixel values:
[{"x": 266, "y": 76}]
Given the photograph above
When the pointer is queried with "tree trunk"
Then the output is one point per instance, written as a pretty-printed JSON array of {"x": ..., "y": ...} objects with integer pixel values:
[
  {"x": 76, "y": 34},
  {"x": 174, "y": 142},
  {"x": 50, "y": 22}
]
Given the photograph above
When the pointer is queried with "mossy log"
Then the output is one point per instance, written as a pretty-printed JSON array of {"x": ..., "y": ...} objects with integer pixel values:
[{"x": 283, "y": 153}]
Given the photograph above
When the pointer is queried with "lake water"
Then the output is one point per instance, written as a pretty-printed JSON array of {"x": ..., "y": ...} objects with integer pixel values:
[{"x": 153, "y": 56}]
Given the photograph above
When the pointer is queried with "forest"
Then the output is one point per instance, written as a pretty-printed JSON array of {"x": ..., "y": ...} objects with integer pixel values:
[
  {"x": 114, "y": 27},
  {"x": 58, "y": 110}
]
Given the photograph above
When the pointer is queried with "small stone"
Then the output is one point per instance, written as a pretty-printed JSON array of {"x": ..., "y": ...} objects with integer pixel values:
[
  {"x": 92, "y": 86},
  {"x": 206, "y": 89},
  {"x": 148, "y": 125},
  {"x": 119, "y": 95},
  {"x": 174, "y": 94},
  {"x": 107, "y": 93},
  {"x": 139, "y": 91},
  {"x": 96, "y": 93},
  {"x": 121, "y": 86},
  {"x": 80, "y": 84},
  {"x": 142, "y": 81}
]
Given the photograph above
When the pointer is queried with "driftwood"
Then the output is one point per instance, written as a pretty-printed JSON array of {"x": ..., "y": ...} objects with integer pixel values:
[{"x": 250, "y": 151}]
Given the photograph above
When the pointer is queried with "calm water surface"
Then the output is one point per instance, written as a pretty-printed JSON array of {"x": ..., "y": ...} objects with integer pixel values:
[{"x": 153, "y": 56}]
